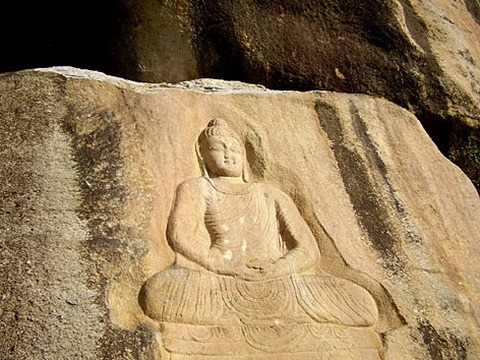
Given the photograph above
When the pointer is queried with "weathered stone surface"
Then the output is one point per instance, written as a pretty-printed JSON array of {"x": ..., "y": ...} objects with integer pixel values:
[
  {"x": 89, "y": 172},
  {"x": 422, "y": 55}
]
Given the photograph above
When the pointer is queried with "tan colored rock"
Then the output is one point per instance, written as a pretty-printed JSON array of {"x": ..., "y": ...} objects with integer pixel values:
[
  {"x": 421, "y": 55},
  {"x": 90, "y": 168}
]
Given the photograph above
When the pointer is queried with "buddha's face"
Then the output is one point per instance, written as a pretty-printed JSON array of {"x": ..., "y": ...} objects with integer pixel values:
[{"x": 223, "y": 156}]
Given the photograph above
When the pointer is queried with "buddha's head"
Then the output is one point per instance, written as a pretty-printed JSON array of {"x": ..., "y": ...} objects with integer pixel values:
[{"x": 220, "y": 151}]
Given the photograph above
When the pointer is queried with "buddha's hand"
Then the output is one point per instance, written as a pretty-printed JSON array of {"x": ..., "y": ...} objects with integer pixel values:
[
  {"x": 255, "y": 272},
  {"x": 238, "y": 268},
  {"x": 278, "y": 269},
  {"x": 260, "y": 270}
]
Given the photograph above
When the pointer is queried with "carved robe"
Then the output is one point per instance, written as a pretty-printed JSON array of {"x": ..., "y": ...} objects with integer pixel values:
[{"x": 253, "y": 225}]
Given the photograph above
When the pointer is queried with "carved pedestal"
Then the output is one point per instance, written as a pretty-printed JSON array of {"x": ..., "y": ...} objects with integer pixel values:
[{"x": 312, "y": 341}]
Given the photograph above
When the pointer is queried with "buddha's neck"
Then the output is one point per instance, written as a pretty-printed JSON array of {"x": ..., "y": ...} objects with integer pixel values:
[
  {"x": 228, "y": 180},
  {"x": 229, "y": 184}
]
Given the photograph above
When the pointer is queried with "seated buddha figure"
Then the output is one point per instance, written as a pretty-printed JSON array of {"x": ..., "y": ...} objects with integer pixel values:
[{"x": 245, "y": 268}]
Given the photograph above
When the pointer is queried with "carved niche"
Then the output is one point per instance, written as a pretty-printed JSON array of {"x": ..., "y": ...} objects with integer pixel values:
[{"x": 246, "y": 282}]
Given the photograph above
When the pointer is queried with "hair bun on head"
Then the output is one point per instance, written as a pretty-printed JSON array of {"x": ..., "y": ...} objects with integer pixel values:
[
  {"x": 219, "y": 127},
  {"x": 217, "y": 122}
]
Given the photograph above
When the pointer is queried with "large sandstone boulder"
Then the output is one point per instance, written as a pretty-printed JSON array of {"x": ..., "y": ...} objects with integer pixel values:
[
  {"x": 421, "y": 55},
  {"x": 90, "y": 164}
]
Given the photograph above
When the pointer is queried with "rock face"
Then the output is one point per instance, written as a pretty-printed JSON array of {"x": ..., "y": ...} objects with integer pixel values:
[
  {"x": 91, "y": 165},
  {"x": 420, "y": 55}
]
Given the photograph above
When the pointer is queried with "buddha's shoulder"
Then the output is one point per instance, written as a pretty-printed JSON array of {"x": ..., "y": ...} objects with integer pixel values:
[
  {"x": 193, "y": 185},
  {"x": 271, "y": 191}
]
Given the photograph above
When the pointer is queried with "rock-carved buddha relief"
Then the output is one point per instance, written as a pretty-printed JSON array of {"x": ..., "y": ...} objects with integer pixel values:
[{"x": 245, "y": 283}]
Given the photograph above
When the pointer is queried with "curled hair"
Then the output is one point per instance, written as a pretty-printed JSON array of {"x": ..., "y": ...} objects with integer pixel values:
[{"x": 218, "y": 127}]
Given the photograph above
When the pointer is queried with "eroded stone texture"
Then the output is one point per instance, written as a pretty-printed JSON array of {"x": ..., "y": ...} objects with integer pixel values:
[
  {"x": 91, "y": 166},
  {"x": 422, "y": 55}
]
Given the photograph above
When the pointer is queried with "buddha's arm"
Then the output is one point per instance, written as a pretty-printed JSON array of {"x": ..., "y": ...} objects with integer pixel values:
[
  {"x": 186, "y": 233},
  {"x": 184, "y": 224},
  {"x": 303, "y": 251}
]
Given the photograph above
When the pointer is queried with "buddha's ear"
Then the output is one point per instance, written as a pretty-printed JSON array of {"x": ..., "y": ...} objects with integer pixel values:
[
  {"x": 201, "y": 162},
  {"x": 246, "y": 167}
]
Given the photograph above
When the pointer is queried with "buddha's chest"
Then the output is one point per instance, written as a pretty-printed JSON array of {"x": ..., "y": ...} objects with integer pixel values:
[{"x": 243, "y": 223}]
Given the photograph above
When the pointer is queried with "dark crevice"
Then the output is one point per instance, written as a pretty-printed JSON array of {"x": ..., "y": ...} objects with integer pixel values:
[
  {"x": 464, "y": 150},
  {"x": 438, "y": 128},
  {"x": 473, "y": 7}
]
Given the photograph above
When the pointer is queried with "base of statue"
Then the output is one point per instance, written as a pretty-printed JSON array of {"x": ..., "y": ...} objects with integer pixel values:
[{"x": 307, "y": 341}]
